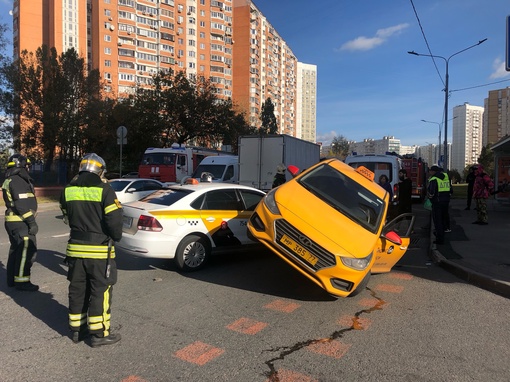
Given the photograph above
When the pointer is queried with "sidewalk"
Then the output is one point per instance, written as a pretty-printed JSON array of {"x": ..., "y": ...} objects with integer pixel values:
[{"x": 475, "y": 253}]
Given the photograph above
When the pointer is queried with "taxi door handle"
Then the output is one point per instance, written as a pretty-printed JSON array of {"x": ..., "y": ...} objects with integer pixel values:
[{"x": 210, "y": 219}]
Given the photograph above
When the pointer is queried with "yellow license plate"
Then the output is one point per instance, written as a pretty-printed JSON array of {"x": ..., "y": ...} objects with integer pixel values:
[{"x": 298, "y": 250}]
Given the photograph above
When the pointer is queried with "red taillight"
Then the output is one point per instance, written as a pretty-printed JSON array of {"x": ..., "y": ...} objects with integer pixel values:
[{"x": 149, "y": 223}]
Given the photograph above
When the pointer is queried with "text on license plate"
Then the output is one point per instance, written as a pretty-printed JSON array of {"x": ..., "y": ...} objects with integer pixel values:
[
  {"x": 127, "y": 221},
  {"x": 298, "y": 250}
]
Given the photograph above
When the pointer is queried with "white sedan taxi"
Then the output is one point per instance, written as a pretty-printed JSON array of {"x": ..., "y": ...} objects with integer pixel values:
[
  {"x": 131, "y": 189},
  {"x": 186, "y": 222}
]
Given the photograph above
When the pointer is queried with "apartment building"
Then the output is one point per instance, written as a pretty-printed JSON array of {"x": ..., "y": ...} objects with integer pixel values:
[
  {"x": 306, "y": 107},
  {"x": 376, "y": 146},
  {"x": 467, "y": 131},
  {"x": 129, "y": 40},
  {"x": 496, "y": 116},
  {"x": 264, "y": 67}
]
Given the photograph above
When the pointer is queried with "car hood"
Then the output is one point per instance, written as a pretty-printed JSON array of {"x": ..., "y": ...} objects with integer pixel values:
[{"x": 323, "y": 224}]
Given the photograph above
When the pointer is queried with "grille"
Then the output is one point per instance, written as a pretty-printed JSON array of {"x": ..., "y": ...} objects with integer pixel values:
[{"x": 326, "y": 258}]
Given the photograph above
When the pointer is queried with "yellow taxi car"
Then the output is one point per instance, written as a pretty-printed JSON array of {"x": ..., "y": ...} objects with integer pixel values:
[{"x": 329, "y": 224}]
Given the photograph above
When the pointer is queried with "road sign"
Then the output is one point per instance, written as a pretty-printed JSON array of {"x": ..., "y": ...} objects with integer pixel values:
[{"x": 121, "y": 135}]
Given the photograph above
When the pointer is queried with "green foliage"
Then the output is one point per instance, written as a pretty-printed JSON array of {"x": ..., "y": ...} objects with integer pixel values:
[
  {"x": 486, "y": 159},
  {"x": 454, "y": 176},
  {"x": 268, "y": 119},
  {"x": 340, "y": 147}
]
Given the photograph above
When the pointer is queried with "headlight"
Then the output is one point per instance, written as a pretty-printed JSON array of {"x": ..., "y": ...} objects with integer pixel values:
[
  {"x": 358, "y": 264},
  {"x": 270, "y": 202}
]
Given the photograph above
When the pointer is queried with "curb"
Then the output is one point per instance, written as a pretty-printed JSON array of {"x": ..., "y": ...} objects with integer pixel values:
[{"x": 475, "y": 278}]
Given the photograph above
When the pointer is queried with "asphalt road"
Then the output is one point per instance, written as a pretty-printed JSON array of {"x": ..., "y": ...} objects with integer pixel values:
[{"x": 249, "y": 317}]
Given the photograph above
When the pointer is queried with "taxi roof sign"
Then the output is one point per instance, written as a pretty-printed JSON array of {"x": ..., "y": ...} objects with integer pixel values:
[{"x": 365, "y": 172}]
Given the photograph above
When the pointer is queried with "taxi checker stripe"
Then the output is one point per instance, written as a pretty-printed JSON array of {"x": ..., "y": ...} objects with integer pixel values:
[{"x": 88, "y": 194}]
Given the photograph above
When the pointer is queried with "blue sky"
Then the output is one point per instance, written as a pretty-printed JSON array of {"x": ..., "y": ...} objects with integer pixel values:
[{"x": 368, "y": 86}]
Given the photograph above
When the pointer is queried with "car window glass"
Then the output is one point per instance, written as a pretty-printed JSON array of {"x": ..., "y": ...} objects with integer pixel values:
[
  {"x": 118, "y": 185},
  {"x": 222, "y": 200},
  {"x": 345, "y": 195},
  {"x": 197, "y": 203},
  {"x": 165, "y": 197},
  {"x": 151, "y": 185},
  {"x": 215, "y": 169},
  {"x": 138, "y": 186},
  {"x": 251, "y": 199},
  {"x": 229, "y": 174}
]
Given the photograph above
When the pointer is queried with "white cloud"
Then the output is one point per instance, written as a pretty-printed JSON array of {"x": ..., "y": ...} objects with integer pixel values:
[
  {"x": 499, "y": 69},
  {"x": 367, "y": 43},
  {"x": 326, "y": 138}
]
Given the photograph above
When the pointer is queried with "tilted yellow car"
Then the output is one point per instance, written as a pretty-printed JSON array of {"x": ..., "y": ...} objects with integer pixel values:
[{"x": 329, "y": 224}]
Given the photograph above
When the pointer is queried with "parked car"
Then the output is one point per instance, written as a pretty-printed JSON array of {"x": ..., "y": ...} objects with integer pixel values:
[
  {"x": 129, "y": 190},
  {"x": 186, "y": 222},
  {"x": 329, "y": 224},
  {"x": 132, "y": 174}
]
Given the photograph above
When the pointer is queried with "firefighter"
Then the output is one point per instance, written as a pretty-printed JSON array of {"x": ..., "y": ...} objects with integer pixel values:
[
  {"x": 94, "y": 215},
  {"x": 21, "y": 209}
]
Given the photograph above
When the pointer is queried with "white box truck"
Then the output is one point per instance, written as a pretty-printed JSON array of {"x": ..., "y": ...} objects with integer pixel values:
[{"x": 260, "y": 155}]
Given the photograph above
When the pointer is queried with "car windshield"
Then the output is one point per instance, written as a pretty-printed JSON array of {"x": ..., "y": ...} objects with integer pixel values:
[
  {"x": 378, "y": 168},
  {"x": 166, "y": 197},
  {"x": 216, "y": 170},
  {"x": 119, "y": 185},
  {"x": 345, "y": 195}
]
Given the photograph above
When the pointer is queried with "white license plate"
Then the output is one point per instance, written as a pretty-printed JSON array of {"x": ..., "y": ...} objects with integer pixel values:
[{"x": 127, "y": 221}]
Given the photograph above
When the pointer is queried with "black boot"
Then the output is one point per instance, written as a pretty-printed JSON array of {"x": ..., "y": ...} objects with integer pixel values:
[
  {"x": 110, "y": 340},
  {"x": 27, "y": 287},
  {"x": 79, "y": 336}
]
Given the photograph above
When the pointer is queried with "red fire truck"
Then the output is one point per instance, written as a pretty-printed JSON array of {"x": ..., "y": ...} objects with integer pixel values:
[
  {"x": 416, "y": 171},
  {"x": 171, "y": 164}
]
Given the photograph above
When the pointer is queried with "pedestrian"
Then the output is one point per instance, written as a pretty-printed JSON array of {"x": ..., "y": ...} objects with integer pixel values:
[
  {"x": 279, "y": 178},
  {"x": 470, "y": 180},
  {"x": 94, "y": 215},
  {"x": 439, "y": 192},
  {"x": 21, "y": 210},
  {"x": 482, "y": 188},
  {"x": 405, "y": 192},
  {"x": 385, "y": 183}
]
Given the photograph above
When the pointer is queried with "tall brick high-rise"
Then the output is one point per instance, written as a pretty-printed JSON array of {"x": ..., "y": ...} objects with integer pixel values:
[{"x": 228, "y": 41}]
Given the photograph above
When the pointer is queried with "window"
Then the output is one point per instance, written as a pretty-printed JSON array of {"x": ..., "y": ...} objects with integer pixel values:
[
  {"x": 222, "y": 200},
  {"x": 107, "y": 37},
  {"x": 107, "y": 50}
]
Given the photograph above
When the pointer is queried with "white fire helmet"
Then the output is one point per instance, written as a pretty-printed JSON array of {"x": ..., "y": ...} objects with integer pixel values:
[{"x": 93, "y": 163}]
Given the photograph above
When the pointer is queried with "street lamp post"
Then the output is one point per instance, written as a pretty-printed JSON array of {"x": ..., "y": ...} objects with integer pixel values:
[
  {"x": 439, "y": 141},
  {"x": 447, "y": 61},
  {"x": 439, "y": 146}
]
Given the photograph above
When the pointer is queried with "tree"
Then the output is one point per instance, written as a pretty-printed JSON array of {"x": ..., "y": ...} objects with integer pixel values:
[
  {"x": 268, "y": 119},
  {"x": 486, "y": 159},
  {"x": 340, "y": 147}
]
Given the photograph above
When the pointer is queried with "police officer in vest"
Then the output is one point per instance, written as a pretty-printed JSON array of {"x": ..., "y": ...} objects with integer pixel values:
[
  {"x": 21, "y": 209},
  {"x": 94, "y": 215},
  {"x": 439, "y": 191}
]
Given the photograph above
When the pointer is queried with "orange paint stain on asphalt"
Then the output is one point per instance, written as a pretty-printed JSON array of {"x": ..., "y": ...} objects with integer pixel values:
[
  {"x": 198, "y": 353},
  {"x": 330, "y": 348},
  {"x": 247, "y": 326},
  {"x": 133, "y": 378},
  {"x": 282, "y": 306},
  {"x": 357, "y": 323},
  {"x": 389, "y": 288},
  {"x": 284, "y": 375},
  {"x": 368, "y": 302},
  {"x": 401, "y": 276}
]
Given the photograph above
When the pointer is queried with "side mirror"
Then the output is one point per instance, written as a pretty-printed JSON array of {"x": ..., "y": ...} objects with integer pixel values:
[
  {"x": 393, "y": 237},
  {"x": 131, "y": 190}
]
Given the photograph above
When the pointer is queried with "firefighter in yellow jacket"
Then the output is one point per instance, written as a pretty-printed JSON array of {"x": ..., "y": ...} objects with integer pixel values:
[
  {"x": 94, "y": 215},
  {"x": 21, "y": 208}
]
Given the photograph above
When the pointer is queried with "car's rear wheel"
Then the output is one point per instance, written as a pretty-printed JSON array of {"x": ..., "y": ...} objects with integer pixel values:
[
  {"x": 362, "y": 285},
  {"x": 192, "y": 253}
]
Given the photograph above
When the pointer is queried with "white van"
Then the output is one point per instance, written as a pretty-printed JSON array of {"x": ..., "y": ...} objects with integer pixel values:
[
  {"x": 388, "y": 165},
  {"x": 223, "y": 168}
]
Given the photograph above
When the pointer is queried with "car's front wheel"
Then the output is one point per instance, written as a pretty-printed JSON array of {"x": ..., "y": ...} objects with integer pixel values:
[{"x": 192, "y": 253}]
